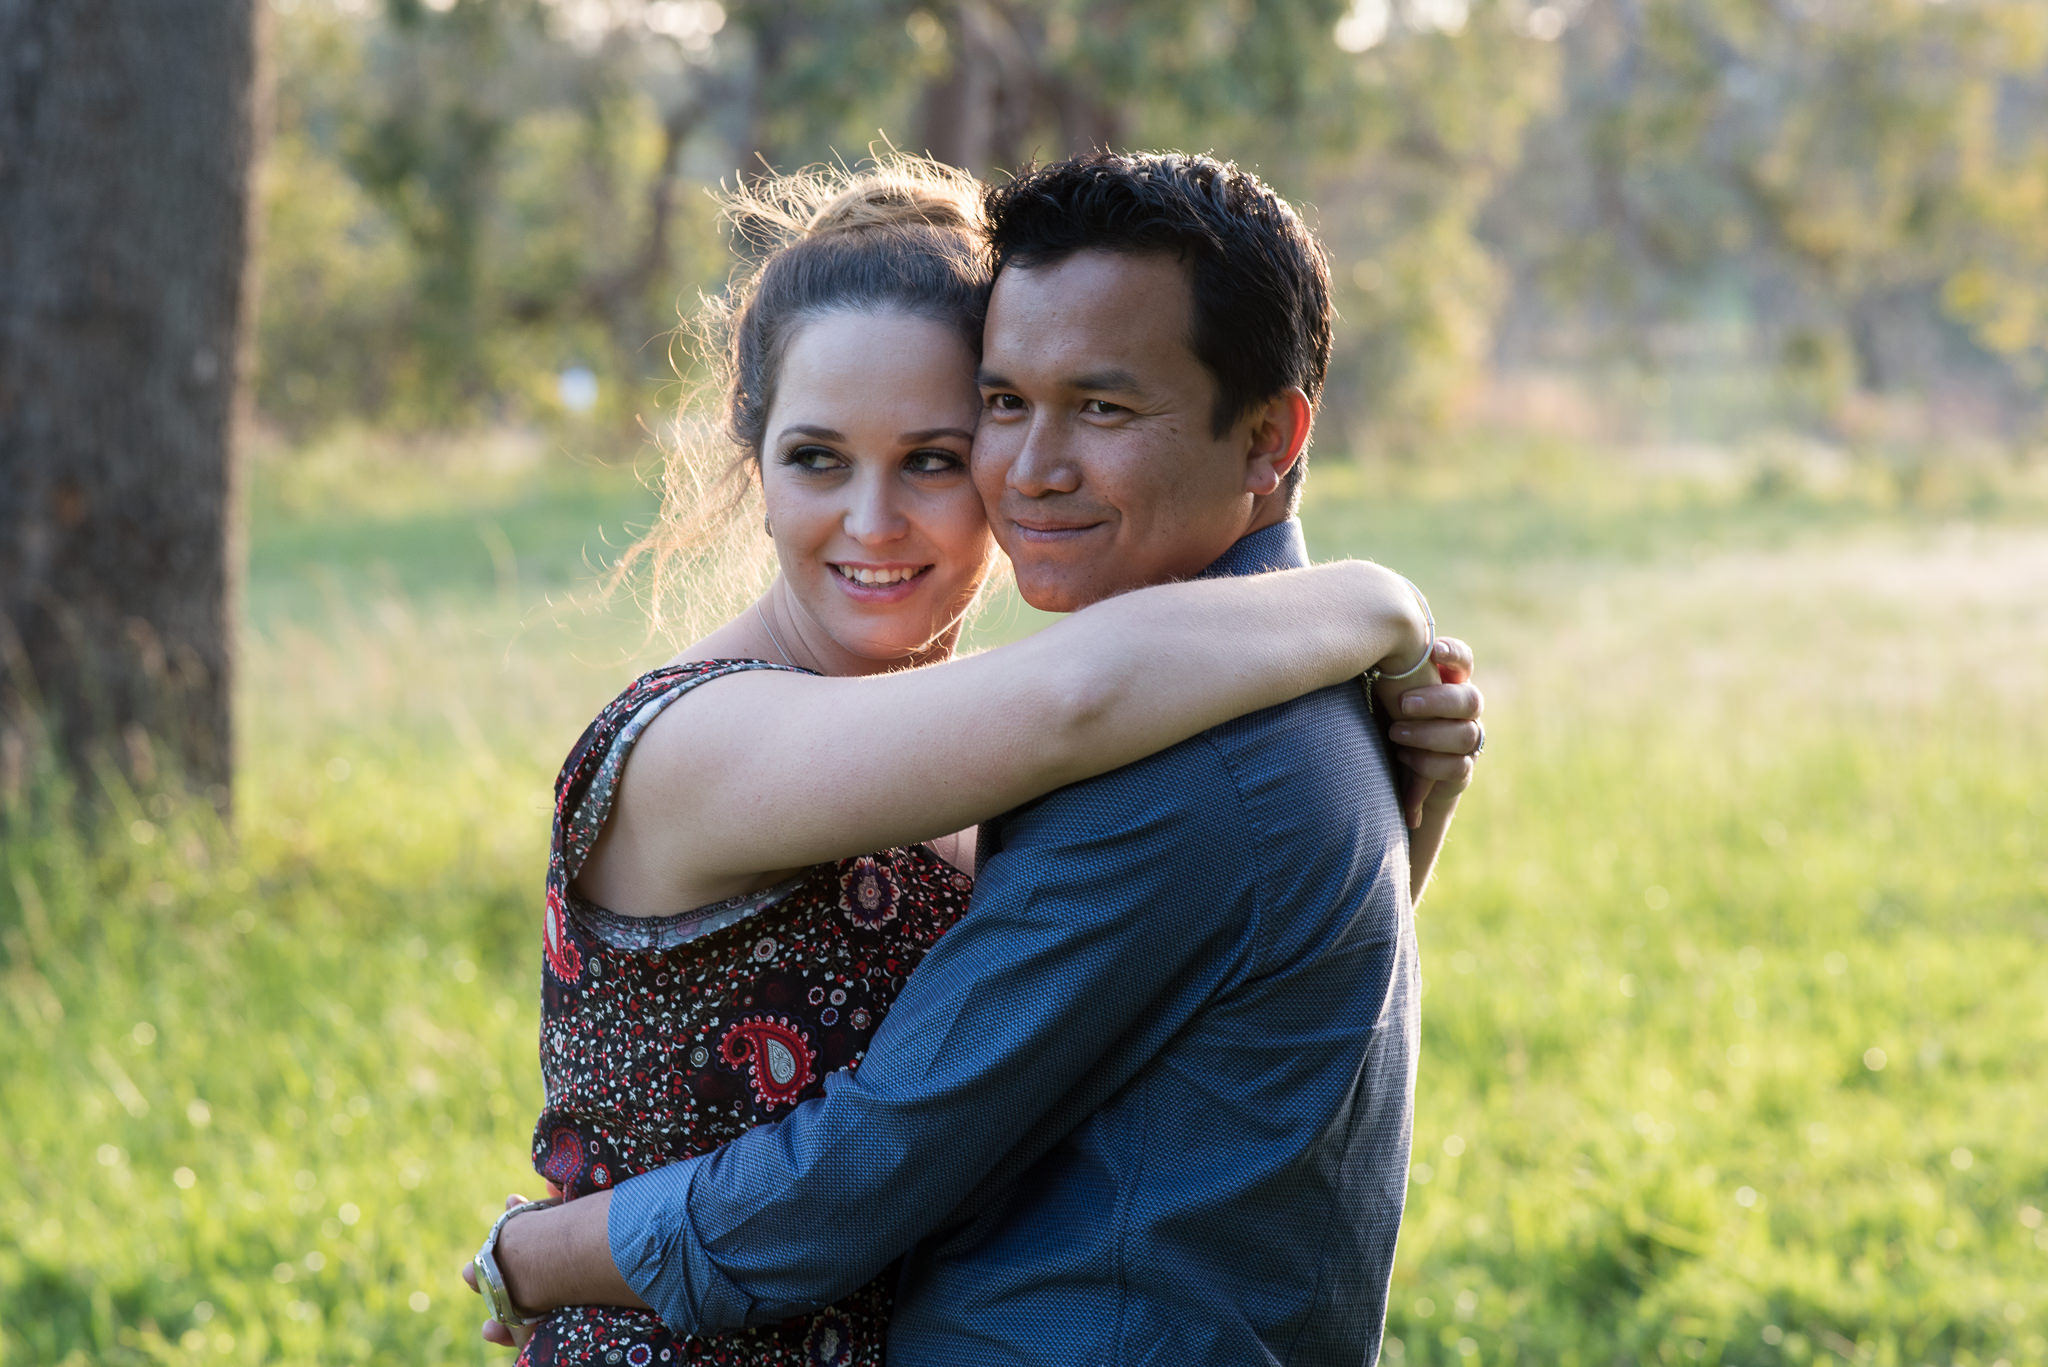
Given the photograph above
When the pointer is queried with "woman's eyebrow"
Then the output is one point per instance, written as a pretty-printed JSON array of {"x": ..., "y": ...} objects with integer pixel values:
[
  {"x": 804, "y": 429},
  {"x": 934, "y": 433}
]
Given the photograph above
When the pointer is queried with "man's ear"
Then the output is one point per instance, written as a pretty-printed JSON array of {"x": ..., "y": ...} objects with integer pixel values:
[{"x": 1279, "y": 431}]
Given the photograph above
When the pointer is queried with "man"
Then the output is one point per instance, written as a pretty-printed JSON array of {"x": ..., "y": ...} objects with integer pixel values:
[{"x": 1151, "y": 1097}]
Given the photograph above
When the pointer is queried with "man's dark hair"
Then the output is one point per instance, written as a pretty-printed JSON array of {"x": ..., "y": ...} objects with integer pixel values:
[{"x": 1259, "y": 279}]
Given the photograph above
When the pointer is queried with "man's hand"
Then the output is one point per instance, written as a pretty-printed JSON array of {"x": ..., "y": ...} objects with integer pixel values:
[
  {"x": 1435, "y": 731},
  {"x": 494, "y": 1332},
  {"x": 555, "y": 1257}
]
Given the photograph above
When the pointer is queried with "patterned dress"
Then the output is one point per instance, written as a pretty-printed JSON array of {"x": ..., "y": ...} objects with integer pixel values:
[{"x": 664, "y": 1037}]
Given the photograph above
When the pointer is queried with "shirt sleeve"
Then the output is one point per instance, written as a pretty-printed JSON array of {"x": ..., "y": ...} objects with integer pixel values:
[{"x": 1105, "y": 898}]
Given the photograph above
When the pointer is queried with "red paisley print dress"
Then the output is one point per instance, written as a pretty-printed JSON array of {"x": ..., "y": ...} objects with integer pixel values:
[{"x": 664, "y": 1037}]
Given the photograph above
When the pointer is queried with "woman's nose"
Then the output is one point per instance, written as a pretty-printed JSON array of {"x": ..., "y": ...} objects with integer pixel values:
[{"x": 876, "y": 512}]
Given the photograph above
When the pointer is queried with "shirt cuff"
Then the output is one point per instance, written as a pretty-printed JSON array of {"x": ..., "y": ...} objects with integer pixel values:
[{"x": 655, "y": 1246}]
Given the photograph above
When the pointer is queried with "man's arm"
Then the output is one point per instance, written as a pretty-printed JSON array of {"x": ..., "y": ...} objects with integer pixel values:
[{"x": 1114, "y": 906}]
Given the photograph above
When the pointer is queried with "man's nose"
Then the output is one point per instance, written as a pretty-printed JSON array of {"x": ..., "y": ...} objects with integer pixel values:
[
  {"x": 1044, "y": 463},
  {"x": 875, "y": 513}
]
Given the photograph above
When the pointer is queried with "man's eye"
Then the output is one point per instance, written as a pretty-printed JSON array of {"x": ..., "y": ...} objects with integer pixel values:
[
  {"x": 1103, "y": 406},
  {"x": 1005, "y": 403}
]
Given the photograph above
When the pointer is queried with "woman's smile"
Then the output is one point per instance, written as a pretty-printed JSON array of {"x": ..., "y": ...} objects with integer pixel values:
[{"x": 880, "y": 583}]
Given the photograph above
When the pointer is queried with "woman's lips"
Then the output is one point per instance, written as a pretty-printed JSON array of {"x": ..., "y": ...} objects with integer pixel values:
[{"x": 903, "y": 581}]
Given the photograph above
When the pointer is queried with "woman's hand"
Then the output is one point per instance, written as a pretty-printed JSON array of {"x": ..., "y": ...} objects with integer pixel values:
[{"x": 1435, "y": 731}]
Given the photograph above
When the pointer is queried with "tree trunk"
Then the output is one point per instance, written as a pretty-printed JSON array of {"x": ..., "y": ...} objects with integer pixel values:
[
  {"x": 980, "y": 113},
  {"x": 128, "y": 130}
]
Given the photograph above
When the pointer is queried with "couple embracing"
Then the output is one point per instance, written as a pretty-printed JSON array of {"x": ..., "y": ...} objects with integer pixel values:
[{"x": 1126, "y": 1074}]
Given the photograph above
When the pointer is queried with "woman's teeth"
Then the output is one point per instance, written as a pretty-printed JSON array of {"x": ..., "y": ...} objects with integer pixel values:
[{"x": 867, "y": 576}]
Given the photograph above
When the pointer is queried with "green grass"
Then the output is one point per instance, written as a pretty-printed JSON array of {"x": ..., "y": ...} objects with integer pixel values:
[{"x": 1768, "y": 764}]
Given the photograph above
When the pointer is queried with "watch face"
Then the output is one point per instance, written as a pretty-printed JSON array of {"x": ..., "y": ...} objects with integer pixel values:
[{"x": 493, "y": 1286}]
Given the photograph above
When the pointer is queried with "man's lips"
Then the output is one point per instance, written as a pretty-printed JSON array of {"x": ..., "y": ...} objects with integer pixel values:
[{"x": 1043, "y": 530}]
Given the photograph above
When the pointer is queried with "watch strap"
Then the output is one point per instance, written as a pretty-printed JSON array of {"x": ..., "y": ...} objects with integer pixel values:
[{"x": 491, "y": 1281}]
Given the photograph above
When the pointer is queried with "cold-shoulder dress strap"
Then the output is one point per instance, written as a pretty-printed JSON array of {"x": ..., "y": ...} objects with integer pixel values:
[{"x": 589, "y": 785}]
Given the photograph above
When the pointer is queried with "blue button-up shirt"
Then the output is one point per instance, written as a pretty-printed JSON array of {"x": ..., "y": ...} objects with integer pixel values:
[{"x": 1149, "y": 1101}]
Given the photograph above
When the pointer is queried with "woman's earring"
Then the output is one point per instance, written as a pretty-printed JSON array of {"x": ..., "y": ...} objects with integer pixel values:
[{"x": 767, "y": 530}]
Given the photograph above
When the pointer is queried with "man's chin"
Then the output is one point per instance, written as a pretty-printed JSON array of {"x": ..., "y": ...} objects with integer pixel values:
[
  {"x": 1053, "y": 595},
  {"x": 1062, "y": 589},
  {"x": 1049, "y": 588}
]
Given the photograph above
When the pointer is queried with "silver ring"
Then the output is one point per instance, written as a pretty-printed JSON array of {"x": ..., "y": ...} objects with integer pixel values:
[{"x": 1480, "y": 748}]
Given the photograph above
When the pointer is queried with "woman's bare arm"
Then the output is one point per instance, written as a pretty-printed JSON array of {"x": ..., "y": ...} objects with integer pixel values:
[{"x": 766, "y": 770}]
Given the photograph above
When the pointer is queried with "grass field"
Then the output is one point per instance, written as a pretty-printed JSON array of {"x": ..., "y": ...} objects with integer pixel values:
[{"x": 1737, "y": 967}]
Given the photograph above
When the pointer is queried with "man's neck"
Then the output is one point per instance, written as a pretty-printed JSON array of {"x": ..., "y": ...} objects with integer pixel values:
[
  {"x": 1269, "y": 511},
  {"x": 1275, "y": 547}
]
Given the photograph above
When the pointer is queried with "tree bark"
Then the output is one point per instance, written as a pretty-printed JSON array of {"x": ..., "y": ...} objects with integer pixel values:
[
  {"x": 128, "y": 132},
  {"x": 980, "y": 113}
]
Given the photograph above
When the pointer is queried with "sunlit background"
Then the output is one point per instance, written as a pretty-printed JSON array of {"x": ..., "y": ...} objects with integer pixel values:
[{"x": 1692, "y": 355}]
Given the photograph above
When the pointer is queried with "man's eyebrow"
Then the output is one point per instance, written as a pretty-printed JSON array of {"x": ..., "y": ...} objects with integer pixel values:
[{"x": 1111, "y": 381}]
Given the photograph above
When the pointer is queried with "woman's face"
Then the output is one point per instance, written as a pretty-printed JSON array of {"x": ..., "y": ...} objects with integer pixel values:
[{"x": 879, "y": 531}]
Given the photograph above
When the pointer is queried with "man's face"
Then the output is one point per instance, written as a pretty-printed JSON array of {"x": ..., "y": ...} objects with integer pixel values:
[{"x": 1096, "y": 455}]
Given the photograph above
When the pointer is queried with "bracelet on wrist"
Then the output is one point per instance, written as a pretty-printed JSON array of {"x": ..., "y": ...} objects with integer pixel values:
[{"x": 1429, "y": 631}]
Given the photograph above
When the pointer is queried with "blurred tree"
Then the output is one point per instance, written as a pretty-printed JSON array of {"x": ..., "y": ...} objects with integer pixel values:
[
  {"x": 1870, "y": 177},
  {"x": 335, "y": 309},
  {"x": 537, "y": 164},
  {"x": 1421, "y": 116},
  {"x": 472, "y": 195},
  {"x": 127, "y": 133},
  {"x": 469, "y": 197}
]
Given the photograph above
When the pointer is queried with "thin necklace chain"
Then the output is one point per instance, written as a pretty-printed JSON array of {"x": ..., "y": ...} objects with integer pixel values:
[{"x": 770, "y": 629}]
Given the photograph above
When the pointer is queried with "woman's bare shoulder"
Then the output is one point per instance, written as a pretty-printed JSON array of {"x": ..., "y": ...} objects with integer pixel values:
[{"x": 642, "y": 863}]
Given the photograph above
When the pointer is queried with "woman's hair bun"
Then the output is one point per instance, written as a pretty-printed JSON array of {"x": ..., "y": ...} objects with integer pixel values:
[
  {"x": 889, "y": 200},
  {"x": 892, "y": 191}
]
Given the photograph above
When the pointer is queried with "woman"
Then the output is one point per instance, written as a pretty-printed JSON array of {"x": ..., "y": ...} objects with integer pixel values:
[{"x": 719, "y": 934}]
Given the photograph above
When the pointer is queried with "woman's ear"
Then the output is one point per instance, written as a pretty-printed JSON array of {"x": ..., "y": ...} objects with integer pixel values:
[{"x": 1279, "y": 431}]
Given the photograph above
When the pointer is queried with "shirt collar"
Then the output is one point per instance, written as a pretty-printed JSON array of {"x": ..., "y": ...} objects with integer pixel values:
[{"x": 1278, "y": 547}]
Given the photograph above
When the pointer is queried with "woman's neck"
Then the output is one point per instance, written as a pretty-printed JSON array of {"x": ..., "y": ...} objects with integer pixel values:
[{"x": 777, "y": 628}]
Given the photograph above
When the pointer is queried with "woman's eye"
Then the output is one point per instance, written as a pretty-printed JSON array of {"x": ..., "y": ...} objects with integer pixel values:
[
  {"x": 936, "y": 461},
  {"x": 812, "y": 457}
]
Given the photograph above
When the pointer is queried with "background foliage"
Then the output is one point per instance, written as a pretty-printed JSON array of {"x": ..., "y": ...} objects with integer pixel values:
[{"x": 1838, "y": 199}]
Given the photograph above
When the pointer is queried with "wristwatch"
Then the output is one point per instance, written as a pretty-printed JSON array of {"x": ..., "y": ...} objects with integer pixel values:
[{"x": 491, "y": 1281}]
